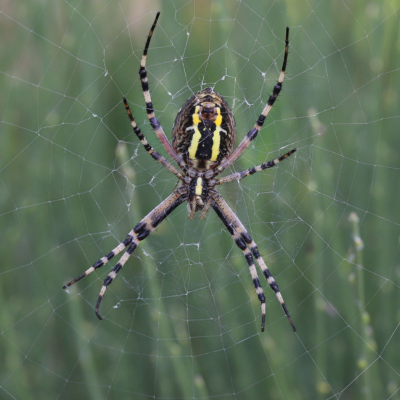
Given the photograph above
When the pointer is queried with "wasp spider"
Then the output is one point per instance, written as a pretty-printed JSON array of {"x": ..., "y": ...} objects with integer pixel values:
[{"x": 203, "y": 137}]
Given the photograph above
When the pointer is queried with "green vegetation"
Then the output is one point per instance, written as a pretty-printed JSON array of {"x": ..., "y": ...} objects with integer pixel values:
[{"x": 182, "y": 320}]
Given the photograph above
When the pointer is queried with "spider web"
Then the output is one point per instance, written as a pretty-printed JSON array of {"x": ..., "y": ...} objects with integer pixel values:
[{"x": 182, "y": 321}]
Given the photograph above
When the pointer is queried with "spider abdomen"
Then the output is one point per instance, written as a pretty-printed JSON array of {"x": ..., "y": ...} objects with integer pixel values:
[{"x": 204, "y": 130}]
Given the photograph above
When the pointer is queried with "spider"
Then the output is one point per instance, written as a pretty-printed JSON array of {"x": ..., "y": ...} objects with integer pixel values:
[{"x": 203, "y": 137}]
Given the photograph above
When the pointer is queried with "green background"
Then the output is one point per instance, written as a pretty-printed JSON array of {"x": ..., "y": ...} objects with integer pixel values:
[{"x": 182, "y": 319}]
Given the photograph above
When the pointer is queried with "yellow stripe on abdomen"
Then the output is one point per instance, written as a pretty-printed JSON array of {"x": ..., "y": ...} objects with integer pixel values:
[
  {"x": 216, "y": 143},
  {"x": 196, "y": 138},
  {"x": 216, "y": 136},
  {"x": 194, "y": 144}
]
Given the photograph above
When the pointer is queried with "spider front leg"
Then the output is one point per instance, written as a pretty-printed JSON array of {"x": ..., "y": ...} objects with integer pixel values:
[
  {"x": 252, "y": 134},
  {"x": 155, "y": 124},
  {"x": 140, "y": 232},
  {"x": 244, "y": 241}
]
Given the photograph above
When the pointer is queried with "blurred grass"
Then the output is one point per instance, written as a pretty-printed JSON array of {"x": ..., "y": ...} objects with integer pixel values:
[{"x": 182, "y": 319}]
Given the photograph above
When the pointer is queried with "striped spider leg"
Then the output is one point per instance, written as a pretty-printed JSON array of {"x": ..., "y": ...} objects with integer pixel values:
[
  {"x": 145, "y": 226},
  {"x": 149, "y": 105},
  {"x": 245, "y": 243},
  {"x": 236, "y": 176},
  {"x": 140, "y": 232},
  {"x": 157, "y": 156},
  {"x": 252, "y": 134}
]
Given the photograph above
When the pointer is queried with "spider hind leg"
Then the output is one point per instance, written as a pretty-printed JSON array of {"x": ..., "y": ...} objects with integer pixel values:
[
  {"x": 140, "y": 232},
  {"x": 244, "y": 241},
  {"x": 271, "y": 281},
  {"x": 104, "y": 260}
]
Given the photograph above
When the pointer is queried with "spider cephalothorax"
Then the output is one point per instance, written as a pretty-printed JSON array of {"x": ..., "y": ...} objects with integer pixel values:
[{"x": 203, "y": 138}]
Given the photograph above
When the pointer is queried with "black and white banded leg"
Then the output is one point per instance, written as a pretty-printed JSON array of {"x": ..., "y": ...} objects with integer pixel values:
[
  {"x": 252, "y": 134},
  {"x": 140, "y": 232},
  {"x": 149, "y": 105},
  {"x": 156, "y": 156},
  {"x": 244, "y": 241},
  {"x": 246, "y": 252},
  {"x": 242, "y": 174}
]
